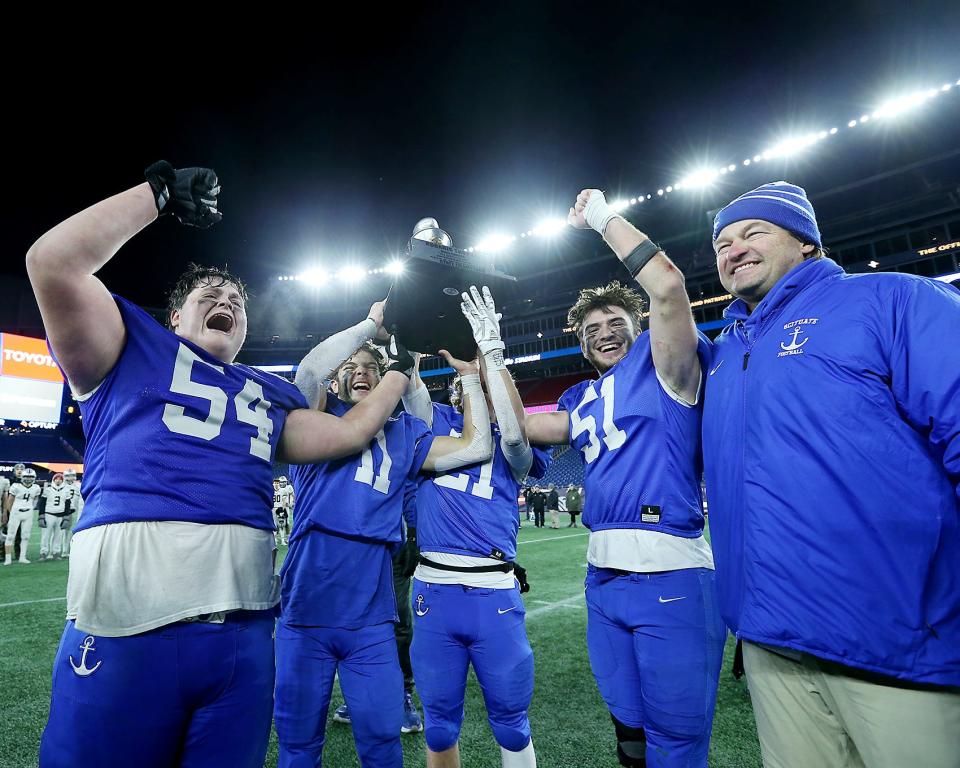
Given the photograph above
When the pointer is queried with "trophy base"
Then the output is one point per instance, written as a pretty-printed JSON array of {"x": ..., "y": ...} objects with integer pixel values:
[{"x": 423, "y": 306}]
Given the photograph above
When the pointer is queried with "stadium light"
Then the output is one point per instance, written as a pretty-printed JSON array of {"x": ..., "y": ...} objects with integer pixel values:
[
  {"x": 697, "y": 179},
  {"x": 495, "y": 243},
  {"x": 549, "y": 227},
  {"x": 395, "y": 267},
  {"x": 897, "y": 106},
  {"x": 314, "y": 277},
  {"x": 351, "y": 274}
]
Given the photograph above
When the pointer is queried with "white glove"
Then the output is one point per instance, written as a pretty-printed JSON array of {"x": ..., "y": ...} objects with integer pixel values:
[{"x": 484, "y": 321}]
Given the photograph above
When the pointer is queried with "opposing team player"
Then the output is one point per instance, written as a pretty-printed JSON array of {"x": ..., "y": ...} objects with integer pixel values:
[
  {"x": 167, "y": 655},
  {"x": 466, "y": 590},
  {"x": 283, "y": 498},
  {"x": 338, "y": 607},
  {"x": 17, "y": 472},
  {"x": 21, "y": 502},
  {"x": 654, "y": 632},
  {"x": 54, "y": 507},
  {"x": 4, "y": 487},
  {"x": 76, "y": 508}
]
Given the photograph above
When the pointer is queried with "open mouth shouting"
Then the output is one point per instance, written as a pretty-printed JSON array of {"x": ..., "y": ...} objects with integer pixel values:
[
  {"x": 221, "y": 321},
  {"x": 360, "y": 386}
]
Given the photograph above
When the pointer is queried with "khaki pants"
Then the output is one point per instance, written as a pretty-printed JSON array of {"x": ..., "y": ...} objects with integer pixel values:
[
  {"x": 812, "y": 715},
  {"x": 554, "y": 518}
]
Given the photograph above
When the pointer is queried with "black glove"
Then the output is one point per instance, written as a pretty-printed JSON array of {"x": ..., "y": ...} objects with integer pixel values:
[
  {"x": 398, "y": 358},
  {"x": 408, "y": 556},
  {"x": 190, "y": 194},
  {"x": 42, "y": 520},
  {"x": 521, "y": 574},
  {"x": 65, "y": 523}
]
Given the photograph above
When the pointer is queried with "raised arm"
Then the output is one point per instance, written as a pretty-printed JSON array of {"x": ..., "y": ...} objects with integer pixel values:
[
  {"x": 311, "y": 436},
  {"x": 673, "y": 334},
  {"x": 416, "y": 400},
  {"x": 321, "y": 361},
  {"x": 481, "y": 313},
  {"x": 80, "y": 317},
  {"x": 475, "y": 444}
]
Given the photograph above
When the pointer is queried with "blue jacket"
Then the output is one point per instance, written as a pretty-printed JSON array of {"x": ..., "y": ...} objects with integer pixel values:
[{"x": 831, "y": 438}]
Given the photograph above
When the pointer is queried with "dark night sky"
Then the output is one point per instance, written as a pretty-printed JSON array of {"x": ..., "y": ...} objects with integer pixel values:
[{"x": 331, "y": 143}]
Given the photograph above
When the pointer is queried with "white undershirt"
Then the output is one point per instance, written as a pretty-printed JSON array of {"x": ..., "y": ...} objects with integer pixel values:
[
  {"x": 491, "y": 580},
  {"x": 128, "y": 578},
  {"x": 642, "y": 551}
]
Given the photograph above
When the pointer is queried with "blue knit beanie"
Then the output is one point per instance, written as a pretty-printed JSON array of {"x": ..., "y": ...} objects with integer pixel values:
[{"x": 780, "y": 203}]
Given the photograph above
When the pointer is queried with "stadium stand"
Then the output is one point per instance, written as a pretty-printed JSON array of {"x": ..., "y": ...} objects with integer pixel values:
[
  {"x": 37, "y": 447},
  {"x": 567, "y": 467}
]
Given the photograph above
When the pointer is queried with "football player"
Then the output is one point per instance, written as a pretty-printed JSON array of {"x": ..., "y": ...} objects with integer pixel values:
[
  {"x": 338, "y": 606},
  {"x": 21, "y": 502},
  {"x": 466, "y": 589},
  {"x": 55, "y": 506},
  {"x": 168, "y": 643},
  {"x": 654, "y": 633},
  {"x": 76, "y": 508},
  {"x": 283, "y": 499},
  {"x": 4, "y": 487},
  {"x": 17, "y": 471}
]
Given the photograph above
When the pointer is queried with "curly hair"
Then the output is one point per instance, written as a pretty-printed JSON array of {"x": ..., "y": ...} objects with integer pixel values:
[
  {"x": 197, "y": 275},
  {"x": 603, "y": 297}
]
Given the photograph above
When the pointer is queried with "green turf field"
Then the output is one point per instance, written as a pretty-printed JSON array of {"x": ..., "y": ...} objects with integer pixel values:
[{"x": 571, "y": 727}]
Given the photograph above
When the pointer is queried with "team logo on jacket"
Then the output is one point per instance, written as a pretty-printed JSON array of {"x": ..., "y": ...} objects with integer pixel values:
[
  {"x": 797, "y": 336},
  {"x": 82, "y": 669}
]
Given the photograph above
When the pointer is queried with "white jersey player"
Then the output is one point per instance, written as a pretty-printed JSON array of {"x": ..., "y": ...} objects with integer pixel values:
[
  {"x": 76, "y": 509},
  {"x": 56, "y": 500},
  {"x": 283, "y": 500},
  {"x": 21, "y": 501}
]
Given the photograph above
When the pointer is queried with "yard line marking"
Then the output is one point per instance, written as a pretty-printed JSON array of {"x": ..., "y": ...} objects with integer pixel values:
[
  {"x": 554, "y": 538},
  {"x": 570, "y": 602},
  {"x": 31, "y": 602}
]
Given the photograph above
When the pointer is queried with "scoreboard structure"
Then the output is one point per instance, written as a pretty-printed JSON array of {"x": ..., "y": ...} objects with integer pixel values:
[{"x": 31, "y": 384}]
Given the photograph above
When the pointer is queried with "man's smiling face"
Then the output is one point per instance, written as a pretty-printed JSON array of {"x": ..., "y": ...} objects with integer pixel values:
[
  {"x": 752, "y": 256},
  {"x": 606, "y": 336},
  {"x": 358, "y": 377}
]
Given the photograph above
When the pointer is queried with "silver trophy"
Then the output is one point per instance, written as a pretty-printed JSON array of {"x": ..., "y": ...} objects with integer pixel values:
[
  {"x": 423, "y": 307},
  {"x": 429, "y": 231}
]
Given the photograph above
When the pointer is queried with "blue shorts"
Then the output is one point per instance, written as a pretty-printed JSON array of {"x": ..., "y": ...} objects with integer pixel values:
[
  {"x": 372, "y": 684},
  {"x": 656, "y": 645},
  {"x": 455, "y": 626},
  {"x": 187, "y": 694}
]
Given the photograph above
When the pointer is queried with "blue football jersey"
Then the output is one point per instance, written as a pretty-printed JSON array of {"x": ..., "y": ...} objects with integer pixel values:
[
  {"x": 361, "y": 496},
  {"x": 473, "y": 511},
  {"x": 173, "y": 433},
  {"x": 641, "y": 448}
]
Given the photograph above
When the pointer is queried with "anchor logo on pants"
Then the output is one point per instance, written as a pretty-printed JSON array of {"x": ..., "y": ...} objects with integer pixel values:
[
  {"x": 82, "y": 670},
  {"x": 419, "y": 609}
]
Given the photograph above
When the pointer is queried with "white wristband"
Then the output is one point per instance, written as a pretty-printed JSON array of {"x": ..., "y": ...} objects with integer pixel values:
[
  {"x": 471, "y": 384},
  {"x": 598, "y": 213},
  {"x": 492, "y": 352}
]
